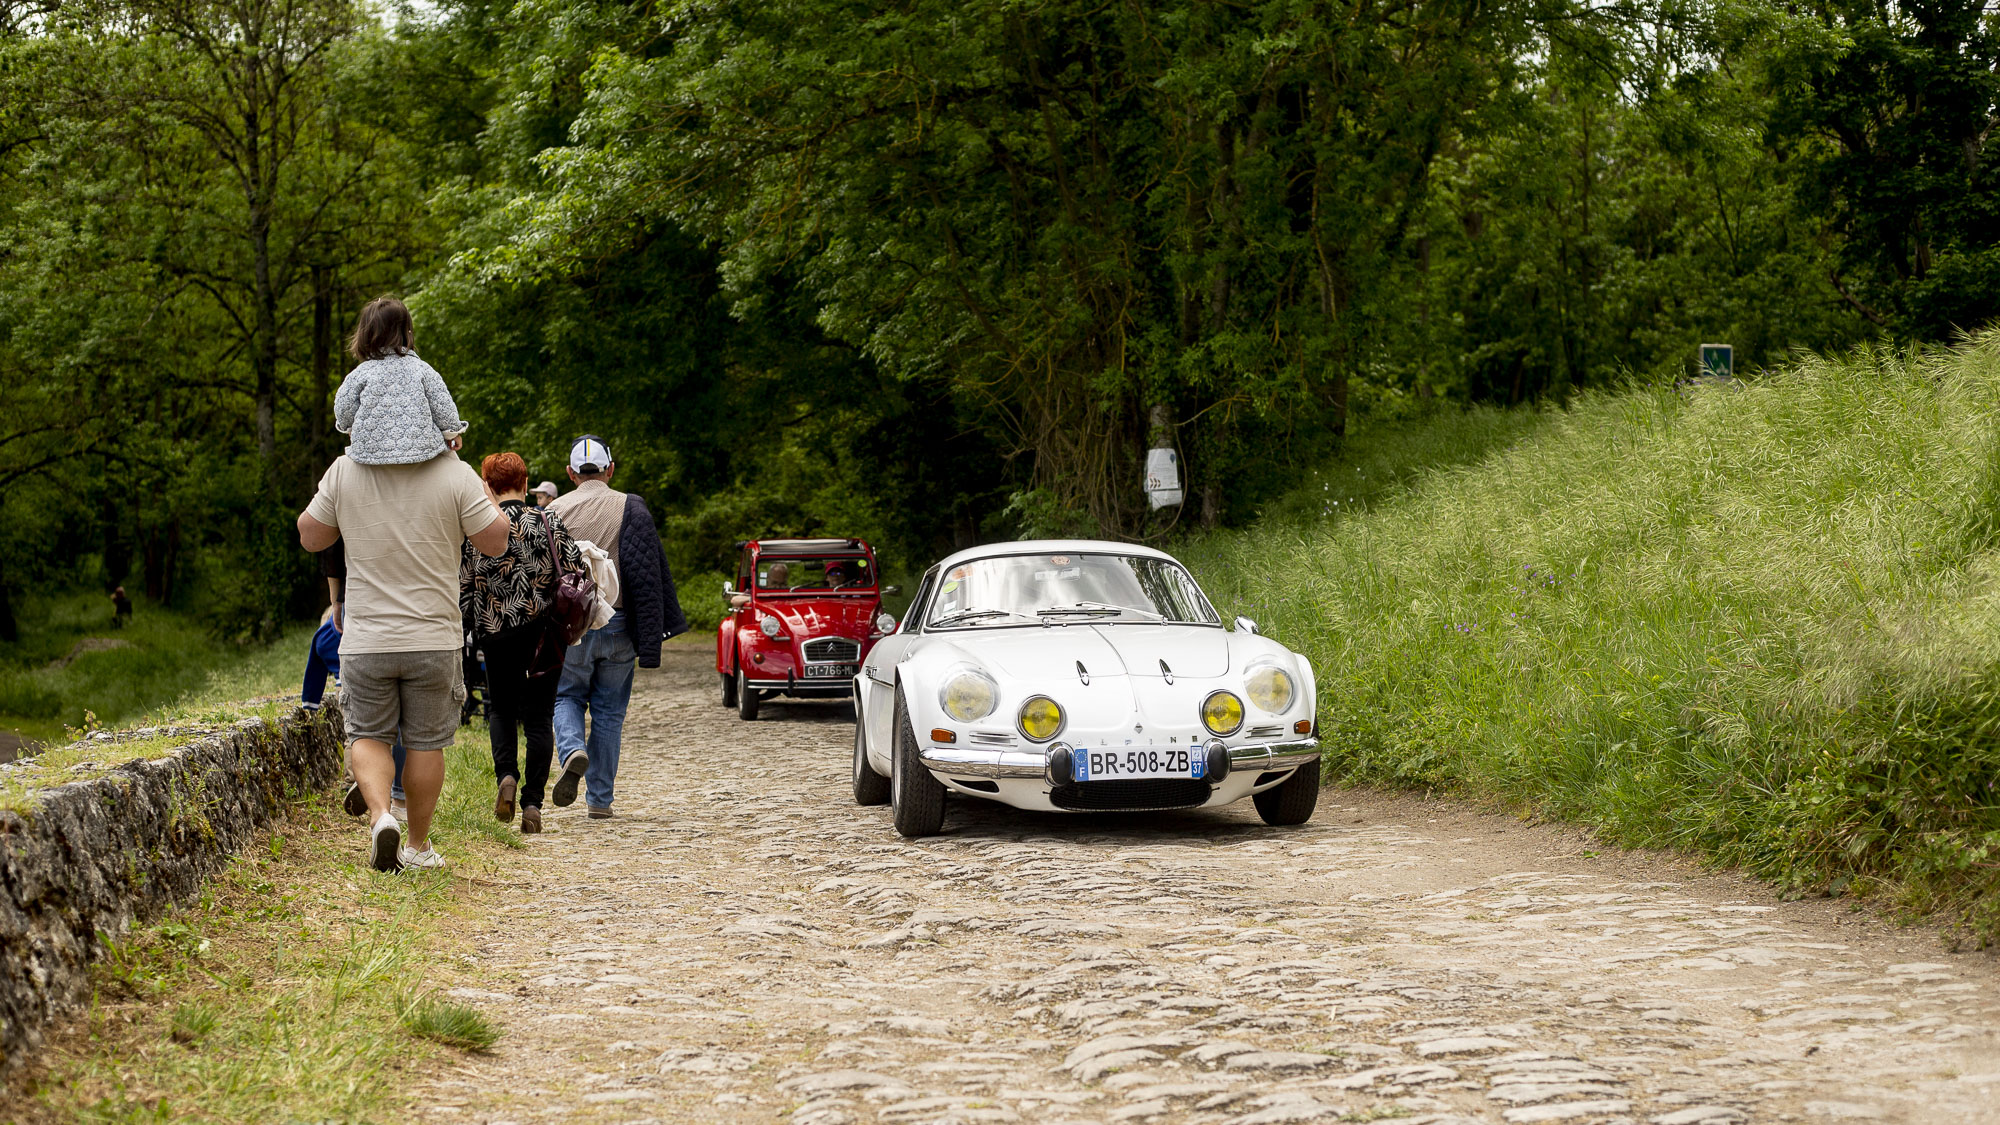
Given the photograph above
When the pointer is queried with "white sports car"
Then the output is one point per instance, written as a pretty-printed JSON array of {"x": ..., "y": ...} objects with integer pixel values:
[{"x": 1079, "y": 676}]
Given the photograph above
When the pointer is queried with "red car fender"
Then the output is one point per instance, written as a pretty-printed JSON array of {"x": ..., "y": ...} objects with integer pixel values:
[{"x": 725, "y": 641}]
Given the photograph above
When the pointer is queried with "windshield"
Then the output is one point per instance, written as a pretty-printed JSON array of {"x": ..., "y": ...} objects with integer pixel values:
[
  {"x": 1017, "y": 589},
  {"x": 792, "y": 572}
]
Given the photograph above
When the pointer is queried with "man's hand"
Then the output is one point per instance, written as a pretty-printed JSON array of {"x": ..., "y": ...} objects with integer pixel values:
[
  {"x": 455, "y": 441},
  {"x": 492, "y": 542},
  {"x": 315, "y": 536}
]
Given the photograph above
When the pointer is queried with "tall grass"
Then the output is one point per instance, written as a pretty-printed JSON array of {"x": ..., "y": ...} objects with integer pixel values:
[
  {"x": 54, "y": 674},
  {"x": 1757, "y": 620}
]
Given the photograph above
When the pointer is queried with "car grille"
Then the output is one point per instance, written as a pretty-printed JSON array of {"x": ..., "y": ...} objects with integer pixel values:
[
  {"x": 833, "y": 650},
  {"x": 1269, "y": 731},
  {"x": 1131, "y": 796},
  {"x": 992, "y": 738}
]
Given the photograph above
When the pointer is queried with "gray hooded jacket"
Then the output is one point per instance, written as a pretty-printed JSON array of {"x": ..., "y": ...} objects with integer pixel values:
[{"x": 396, "y": 410}]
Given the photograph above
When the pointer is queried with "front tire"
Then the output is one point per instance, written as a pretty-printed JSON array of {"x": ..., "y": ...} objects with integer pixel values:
[
  {"x": 870, "y": 788},
  {"x": 746, "y": 697},
  {"x": 728, "y": 689},
  {"x": 1292, "y": 800},
  {"x": 915, "y": 797}
]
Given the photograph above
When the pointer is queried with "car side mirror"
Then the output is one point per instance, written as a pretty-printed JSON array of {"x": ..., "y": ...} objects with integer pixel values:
[
  {"x": 885, "y": 624},
  {"x": 729, "y": 589},
  {"x": 1245, "y": 625},
  {"x": 891, "y": 591}
]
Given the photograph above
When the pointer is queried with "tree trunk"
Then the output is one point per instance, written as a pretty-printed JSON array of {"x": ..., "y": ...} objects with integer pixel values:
[
  {"x": 322, "y": 366},
  {"x": 10, "y": 630},
  {"x": 264, "y": 341}
]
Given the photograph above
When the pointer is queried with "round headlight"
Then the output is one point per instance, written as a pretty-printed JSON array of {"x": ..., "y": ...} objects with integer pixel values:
[
  {"x": 968, "y": 695},
  {"x": 769, "y": 625},
  {"x": 1270, "y": 688},
  {"x": 1222, "y": 713},
  {"x": 1041, "y": 719}
]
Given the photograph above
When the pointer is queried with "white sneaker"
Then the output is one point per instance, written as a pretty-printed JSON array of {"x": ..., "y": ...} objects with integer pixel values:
[
  {"x": 387, "y": 843},
  {"x": 411, "y": 857}
]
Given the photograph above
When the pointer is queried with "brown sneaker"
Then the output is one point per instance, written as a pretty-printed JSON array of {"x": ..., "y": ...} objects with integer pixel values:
[
  {"x": 531, "y": 819},
  {"x": 503, "y": 803},
  {"x": 597, "y": 813}
]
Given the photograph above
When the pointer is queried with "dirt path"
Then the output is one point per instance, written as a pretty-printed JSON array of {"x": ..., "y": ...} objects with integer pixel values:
[{"x": 744, "y": 944}]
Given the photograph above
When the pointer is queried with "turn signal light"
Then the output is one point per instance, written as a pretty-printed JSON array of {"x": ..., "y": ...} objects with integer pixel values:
[
  {"x": 939, "y": 734},
  {"x": 1303, "y": 726}
]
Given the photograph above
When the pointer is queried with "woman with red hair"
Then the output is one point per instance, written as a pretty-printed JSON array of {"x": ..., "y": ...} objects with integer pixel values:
[{"x": 506, "y": 601}]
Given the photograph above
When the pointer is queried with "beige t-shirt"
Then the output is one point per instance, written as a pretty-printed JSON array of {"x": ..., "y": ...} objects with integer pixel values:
[
  {"x": 402, "y": 525},
  {"x": 594, "y": 511}
]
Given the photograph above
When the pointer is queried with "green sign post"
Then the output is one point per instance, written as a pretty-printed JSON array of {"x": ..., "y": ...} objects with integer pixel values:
[{"x": 1718, "y": 361}]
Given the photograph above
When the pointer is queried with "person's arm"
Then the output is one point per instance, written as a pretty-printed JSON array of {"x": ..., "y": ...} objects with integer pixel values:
[
  {"x": 444, "y": 411},
  {"x": 492, "y": 541},
  {"x": 314, "y": 535},
  {"x": 347, "y": 400}
]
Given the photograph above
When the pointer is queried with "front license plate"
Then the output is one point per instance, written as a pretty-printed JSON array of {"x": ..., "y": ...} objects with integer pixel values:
[
  {"x": 1117, "y": 763},
  {"x": 831, "y": 671}
]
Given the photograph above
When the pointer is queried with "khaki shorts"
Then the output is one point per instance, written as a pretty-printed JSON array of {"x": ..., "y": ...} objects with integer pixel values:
[{"x": 416, "y": 692}]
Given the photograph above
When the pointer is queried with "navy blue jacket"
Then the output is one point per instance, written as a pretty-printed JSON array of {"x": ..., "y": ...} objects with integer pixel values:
[{"x": 652, "y": 608}]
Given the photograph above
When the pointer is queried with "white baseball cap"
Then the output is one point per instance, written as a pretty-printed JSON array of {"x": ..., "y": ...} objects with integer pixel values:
[
  {"x": 546, "y": 488},
  {"x": 589, "y": 454}
]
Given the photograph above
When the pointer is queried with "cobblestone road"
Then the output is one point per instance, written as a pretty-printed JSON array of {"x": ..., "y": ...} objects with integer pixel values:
[{"x": 744, "y": 944}]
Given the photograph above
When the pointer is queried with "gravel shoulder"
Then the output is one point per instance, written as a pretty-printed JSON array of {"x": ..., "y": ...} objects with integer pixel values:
[{"x": 742, "y": 943}]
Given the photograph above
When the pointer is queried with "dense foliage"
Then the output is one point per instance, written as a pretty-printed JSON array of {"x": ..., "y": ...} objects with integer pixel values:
[
  {"x": 924, "y": 271},
  {"x": 1754, "y": 621}
]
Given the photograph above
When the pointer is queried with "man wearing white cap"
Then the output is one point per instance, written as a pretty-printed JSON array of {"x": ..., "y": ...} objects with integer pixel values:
[
  {"x": 543, "y": 493},
  {"x": 597, "y": 673}
]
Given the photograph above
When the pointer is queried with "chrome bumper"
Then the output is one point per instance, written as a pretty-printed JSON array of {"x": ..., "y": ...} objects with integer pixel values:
[{"x": 974, "y": 761}]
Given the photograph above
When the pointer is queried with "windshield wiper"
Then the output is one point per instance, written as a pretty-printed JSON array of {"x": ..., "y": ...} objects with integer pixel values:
[
  {"x": 1097, "y": 607},
  {"x": 973, "y": 615}
]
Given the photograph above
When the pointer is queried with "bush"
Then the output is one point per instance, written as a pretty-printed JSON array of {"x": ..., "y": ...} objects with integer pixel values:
[{"x": 1755, "y": 620}]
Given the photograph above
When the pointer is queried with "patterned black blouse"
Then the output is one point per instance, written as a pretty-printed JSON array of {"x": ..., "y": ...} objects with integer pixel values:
[{"x": 514, "y": 588}]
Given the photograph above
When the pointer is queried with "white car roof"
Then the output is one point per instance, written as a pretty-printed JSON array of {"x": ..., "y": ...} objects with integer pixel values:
[{"x": 1055, "y": 547}]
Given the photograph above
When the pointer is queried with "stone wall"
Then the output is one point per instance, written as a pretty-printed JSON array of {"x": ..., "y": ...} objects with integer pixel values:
[{"x": 91, "y": 857}]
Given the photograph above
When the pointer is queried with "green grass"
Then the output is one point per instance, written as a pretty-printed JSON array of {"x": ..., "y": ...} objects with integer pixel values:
[
  {"x": 454, "y": 1025},
  {"x": 1756, "y": 621},
  {"x": 301, "y": 986},
  {"x": 162, "y": 657}
]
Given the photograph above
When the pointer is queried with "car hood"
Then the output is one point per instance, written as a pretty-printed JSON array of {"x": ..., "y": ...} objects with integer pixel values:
[
  {"x": 1103, "y": 650},
  {"x": 824, "y": 617}
]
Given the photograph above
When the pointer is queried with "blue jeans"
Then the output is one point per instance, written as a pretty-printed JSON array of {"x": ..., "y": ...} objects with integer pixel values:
[{"x": 597, "y": 675}]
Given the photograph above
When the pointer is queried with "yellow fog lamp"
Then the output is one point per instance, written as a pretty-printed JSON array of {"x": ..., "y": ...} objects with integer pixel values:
[
  {"x": 1222, "y": 713},
  {"x": 1041, "y": 718}
]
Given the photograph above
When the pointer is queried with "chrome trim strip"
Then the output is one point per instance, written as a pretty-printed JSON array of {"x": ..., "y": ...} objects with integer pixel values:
[
  {"x": 1273, "y": 755},
  {"x": 973, "y": 761}
]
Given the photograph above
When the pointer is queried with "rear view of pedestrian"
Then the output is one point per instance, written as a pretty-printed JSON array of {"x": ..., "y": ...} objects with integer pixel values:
[
  {"x": 507, "y": 602},
  {"x": 597, "y": 676},
  {"x": 401, "y": 524}
]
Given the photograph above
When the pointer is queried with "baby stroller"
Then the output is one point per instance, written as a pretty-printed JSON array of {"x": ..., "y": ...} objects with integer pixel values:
[{"x": 477, "y": 698}]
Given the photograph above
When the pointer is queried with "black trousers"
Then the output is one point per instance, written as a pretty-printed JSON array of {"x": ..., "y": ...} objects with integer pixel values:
[{"x": 522, "y": 706}]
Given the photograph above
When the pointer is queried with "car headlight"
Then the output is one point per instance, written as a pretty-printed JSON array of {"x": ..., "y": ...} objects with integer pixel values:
[
  {"x": 1270, "y": 688},
  {"x": 1222, "y": 713},
  {"x": 770, "y": 627},
  {"x": 968, "y": 695},
  {"x": 1041, "y": 718}
]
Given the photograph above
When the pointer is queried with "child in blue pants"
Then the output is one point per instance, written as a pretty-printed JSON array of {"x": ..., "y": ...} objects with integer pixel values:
[{"x": 323, "y": 660}]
